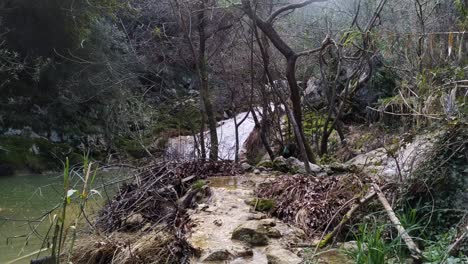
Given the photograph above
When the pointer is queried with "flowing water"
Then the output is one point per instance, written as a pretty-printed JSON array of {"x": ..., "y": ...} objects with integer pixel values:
[
  {"x": 183, "y": 147},
  {"x": 26, "y": 198}
]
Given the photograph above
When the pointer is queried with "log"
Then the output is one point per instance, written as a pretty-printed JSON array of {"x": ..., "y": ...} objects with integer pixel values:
[{"x": 415, "y": 251}]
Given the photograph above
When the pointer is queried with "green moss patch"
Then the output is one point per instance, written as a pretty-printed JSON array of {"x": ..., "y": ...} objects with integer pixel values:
[{"x": 262, "y": 205}]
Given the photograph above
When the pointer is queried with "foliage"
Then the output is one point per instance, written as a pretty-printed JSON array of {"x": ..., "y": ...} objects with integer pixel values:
[
  {"x": 436, "y": 251},
  {"x": 262, "y": 205},
  {"x": 371, "y": 246}
]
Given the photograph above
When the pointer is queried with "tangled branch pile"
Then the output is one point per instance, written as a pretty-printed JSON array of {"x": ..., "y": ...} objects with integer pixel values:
[
  {"x": 313, "y": 203},
  {"x": 153, "y": 207},
  {"x": 157, "y": 192}
]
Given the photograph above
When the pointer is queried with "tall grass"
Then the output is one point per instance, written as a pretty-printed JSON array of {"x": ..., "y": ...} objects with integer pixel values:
[
  {"x": 64, "y": 225},
  {"x": 371, "y": 248}
]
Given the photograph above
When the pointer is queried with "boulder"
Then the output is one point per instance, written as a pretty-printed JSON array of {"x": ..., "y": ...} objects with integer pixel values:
[
  {"x": 265, "y": 164},
  {"x": 246, "y": 166},
  {"x": 280, "y": 164},
  {"x": 251, "y": 233},
  {"x": 297, "y": 166},
  {"x": 278, "y": 255}
]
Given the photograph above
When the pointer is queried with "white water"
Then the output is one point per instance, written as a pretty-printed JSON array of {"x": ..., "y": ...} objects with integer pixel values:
[{"x": 183, "y": 147}]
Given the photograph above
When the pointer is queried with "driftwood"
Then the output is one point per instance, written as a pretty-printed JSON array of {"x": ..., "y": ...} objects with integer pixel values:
[
  {"x": 415, "y": 251},
  {"x": 326, "y": 239}
]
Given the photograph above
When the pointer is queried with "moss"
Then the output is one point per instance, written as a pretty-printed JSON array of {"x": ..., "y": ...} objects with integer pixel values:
[
  {"x": 262, "y": 205},
  {"x": 265, "y": 164},
  {"x": 313, "y": 123},
  {"x": 198, "y": 185}
]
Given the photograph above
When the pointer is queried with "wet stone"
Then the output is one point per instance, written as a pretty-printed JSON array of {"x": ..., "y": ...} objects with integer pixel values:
[
  {"x": 279, "y": 255},
  {"x": 273, "y": 233},
  {"x": 217, "y": 255},
  {"x": 251, "y": 233}
]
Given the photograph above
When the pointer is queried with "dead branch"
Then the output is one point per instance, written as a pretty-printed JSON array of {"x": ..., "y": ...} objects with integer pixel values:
[
  {"x": 415, "y": 251},
  {"x": 326, "y": 239}
]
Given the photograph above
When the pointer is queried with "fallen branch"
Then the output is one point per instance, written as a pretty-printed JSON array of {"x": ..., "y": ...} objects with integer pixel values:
[
  {"x": 415, "y": 251},
  {"x": 451, "y": 250},
  {"x": 326, "y": 239}
]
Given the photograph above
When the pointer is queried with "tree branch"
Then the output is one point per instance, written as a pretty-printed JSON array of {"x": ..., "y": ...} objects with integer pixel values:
[{"x": 285, "y": 8}]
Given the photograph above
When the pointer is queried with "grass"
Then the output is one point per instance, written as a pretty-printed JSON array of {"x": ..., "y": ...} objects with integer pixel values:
[
  {"x": 371, "y": 247},
  {"x": 62, "y": 232}
]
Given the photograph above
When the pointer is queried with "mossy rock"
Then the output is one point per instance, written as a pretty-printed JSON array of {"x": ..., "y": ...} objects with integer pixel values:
[
  {"x": 251, "y": 233},
  {"x": 265, "y": 164},
  {"x": 280, "y": 164}
]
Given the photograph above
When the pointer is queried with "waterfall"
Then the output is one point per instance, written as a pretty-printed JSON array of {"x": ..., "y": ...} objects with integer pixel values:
[{"x": 183, "y": 147}]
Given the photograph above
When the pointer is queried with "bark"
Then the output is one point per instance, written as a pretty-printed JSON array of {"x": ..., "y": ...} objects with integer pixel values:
[
  {"x": 415, "y": 251},
  {"x": 262, "y": 125},
  {"x": 299, "y": 138}
]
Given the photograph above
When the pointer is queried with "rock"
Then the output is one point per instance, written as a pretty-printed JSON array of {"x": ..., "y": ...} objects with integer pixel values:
[
  {"x": 297, "y": 166},
  {"x": 13, "y": 132},
  {"x": 278, "y": 255},
  {"x": 280, "y": 164},
  {"x": 256, "y": 171},
  {"x": 242, "y": 252},
  {"x": 268, "y": 222},
  {"x": 202, "y": 207},
  {"x": 218, "y": 222},
  {"x": 256, "y": 216},
  {"x": 265, "y": 164},
  {"x": 313, "y": 93},
  {"x": 273, "y": 232},
  {"x": 246, "y": 166},
  {"x": 6, "y": 170},
  {"x": 217, "y": 255},
  {"x": 34, "y": 149},
  {"x": 251, "y": 233},
  {"x": 134, "y": 221},
  {"x": 54, "y": 136},
  {"x": 349, "y": 245},
  {"x": 342, "y": 167}
]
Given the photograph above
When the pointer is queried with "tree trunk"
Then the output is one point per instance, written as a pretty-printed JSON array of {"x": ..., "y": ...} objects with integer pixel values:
[
  {"x": 296, "y": 104},
  {"x": 204, "y": 84}
]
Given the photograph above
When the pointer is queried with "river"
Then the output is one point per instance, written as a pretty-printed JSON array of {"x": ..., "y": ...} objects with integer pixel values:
[{"x": 25, "y": 198}]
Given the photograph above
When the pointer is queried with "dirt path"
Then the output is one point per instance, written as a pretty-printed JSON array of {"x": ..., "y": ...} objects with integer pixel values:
[{"x": 229, "y": 231}]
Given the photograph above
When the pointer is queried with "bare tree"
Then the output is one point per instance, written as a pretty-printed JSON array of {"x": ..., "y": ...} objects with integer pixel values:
[{"x": 291, "y": 56}]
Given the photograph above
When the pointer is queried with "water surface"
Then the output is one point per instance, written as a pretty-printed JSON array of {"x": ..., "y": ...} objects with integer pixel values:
[{"x": 24, "y": 199}]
